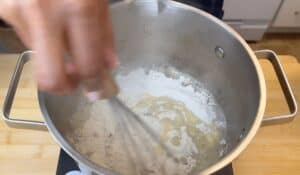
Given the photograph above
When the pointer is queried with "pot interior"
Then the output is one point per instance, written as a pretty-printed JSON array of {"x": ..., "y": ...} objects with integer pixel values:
[{"x": 167, "y": 51}]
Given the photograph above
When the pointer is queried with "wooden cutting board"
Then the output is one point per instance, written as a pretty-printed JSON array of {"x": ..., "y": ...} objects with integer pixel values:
[
  {"x": 275, "y": 150},
  {"x": 24, "y": 152}
]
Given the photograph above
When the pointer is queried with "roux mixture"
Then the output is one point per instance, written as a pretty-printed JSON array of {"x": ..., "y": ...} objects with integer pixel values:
[{"x": 114, "y": 140}]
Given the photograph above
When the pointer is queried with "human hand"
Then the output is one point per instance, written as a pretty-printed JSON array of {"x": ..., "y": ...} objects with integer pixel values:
[{"x": 55, "y": 28}]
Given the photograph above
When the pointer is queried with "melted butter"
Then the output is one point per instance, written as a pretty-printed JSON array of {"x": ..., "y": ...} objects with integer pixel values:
[{"x": 178, "y": 128}]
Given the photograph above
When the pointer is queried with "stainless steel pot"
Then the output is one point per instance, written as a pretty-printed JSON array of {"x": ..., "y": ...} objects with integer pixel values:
[{"x": 151, "y": 32}]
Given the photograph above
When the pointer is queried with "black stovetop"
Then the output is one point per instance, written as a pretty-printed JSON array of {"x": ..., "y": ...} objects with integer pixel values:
[{"x": 67, "y": 164}]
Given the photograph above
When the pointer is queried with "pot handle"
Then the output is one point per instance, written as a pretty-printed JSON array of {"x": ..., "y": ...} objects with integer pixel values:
[
  {"x": 13, "y": 85},
  {"x": 285, "y": 86}
]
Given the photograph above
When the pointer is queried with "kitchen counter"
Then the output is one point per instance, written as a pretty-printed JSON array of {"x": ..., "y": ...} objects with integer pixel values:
[{"x": 275, "y": 150}]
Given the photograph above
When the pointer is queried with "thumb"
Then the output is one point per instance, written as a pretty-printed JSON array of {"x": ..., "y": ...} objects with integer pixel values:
[{"x": 10, "y": 12}]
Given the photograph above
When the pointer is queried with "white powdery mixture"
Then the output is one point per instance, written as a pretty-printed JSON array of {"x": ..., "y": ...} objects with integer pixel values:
[
  {"x": 141, "y": 82},
  {"x": 162, "y": 98},
  {"x": 168, "y": 82}
]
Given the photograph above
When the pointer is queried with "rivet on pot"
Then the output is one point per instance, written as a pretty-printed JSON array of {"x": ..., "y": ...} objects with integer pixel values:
[
  {"x": 219, "y": 52},
  {"x": 242, "y": 133}
]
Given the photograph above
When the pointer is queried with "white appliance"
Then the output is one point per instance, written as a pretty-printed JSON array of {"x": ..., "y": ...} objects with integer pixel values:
[
  {"x": 288, "y": 17},
  {"x": 250, "y": 18}
]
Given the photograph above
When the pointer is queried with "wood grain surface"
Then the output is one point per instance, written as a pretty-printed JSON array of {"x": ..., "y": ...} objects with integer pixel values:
[
  {"x": 24, "y": 152},
  {"x": 275, "y": 150}
]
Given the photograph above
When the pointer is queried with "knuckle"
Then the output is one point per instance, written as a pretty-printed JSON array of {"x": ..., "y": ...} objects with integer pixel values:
[
  {"x": 91, "y": 72},
  {"x": 57, "y": 85},
  {"x": 90, "y": 66}
]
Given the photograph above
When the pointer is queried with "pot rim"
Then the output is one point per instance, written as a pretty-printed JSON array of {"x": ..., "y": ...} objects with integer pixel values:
[{"x": 211, "y": 169}]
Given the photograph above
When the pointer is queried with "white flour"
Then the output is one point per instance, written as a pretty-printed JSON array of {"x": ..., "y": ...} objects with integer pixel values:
[{"x": 176, "y": 86}]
